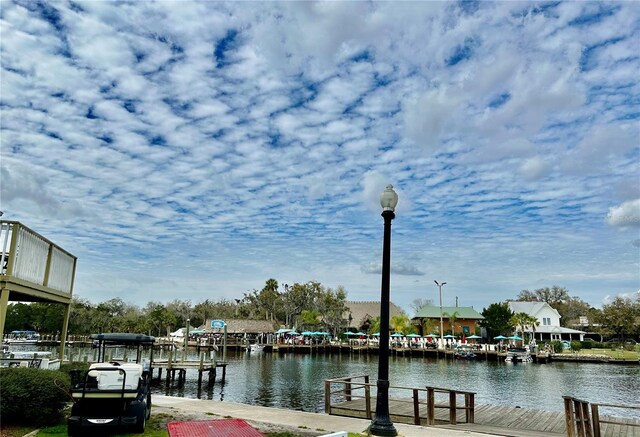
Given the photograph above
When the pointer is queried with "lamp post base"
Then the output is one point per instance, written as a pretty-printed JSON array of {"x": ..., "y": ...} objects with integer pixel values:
[
  {"x": 381, "y": 424},
  {"x": 378, "y": 428}
]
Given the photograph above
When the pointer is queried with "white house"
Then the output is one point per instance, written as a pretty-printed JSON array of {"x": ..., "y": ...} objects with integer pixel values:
[{"x": 549, "y": 321}]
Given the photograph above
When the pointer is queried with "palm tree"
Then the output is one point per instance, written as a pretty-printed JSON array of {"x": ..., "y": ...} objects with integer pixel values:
[
  {"x": 452, "y": 320},
  {"x": 522, "y": 321}
]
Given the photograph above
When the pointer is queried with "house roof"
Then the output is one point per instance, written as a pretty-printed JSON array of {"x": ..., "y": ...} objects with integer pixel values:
[
  {"x": 433, "y": 312},
  {"x": 367, "y": 310},
  {"x": 240, "y": 326},
  {"x": 531, "y": 308}
]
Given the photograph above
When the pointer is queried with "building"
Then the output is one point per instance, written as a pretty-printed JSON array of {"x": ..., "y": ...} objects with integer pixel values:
[
  {"x": 360, "y": 315},
  {"x": 428, "y": 319},
  {"x": 548, "y": 322},
  {"x": 242, "y": 326}
]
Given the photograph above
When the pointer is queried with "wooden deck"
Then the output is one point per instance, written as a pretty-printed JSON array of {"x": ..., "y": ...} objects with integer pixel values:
[{"x": 492, "y": 419}]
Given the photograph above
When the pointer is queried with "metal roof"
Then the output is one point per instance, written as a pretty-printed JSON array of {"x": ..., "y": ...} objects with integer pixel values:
[{"x": 433, "y": 312}]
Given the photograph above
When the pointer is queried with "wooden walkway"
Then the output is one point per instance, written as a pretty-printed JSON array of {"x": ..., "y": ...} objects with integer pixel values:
[{"x": 491, "y": 419}]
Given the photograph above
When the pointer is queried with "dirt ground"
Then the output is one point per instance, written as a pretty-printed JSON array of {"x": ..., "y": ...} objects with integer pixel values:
[{"x": 163, "y": 415}]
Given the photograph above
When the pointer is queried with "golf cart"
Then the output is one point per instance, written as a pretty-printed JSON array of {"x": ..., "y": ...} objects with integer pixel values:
[{"x": 114, "y": 393}]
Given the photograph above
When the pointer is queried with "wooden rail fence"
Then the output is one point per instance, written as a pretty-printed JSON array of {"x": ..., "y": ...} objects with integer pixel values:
[
  {"x": 351, "y": 396},
  {"x": 583, "y": 419}
]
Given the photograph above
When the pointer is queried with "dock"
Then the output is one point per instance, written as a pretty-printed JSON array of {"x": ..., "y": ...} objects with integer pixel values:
[{"x": 452, "y": 409}]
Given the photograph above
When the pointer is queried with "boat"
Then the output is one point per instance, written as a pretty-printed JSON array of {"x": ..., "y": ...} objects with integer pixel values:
[
  {"x": 32, "y": 359},
  {"x": 22, "y": 337},
  {"x": 518, "y": 355},
  {"x": 254, "y": 348},
  {"x": 464, "y": 352}
]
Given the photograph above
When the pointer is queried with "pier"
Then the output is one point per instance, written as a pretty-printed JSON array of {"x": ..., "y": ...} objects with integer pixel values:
[{"x": 444, "y": 408}]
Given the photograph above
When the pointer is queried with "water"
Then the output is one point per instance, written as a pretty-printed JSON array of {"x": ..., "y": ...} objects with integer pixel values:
[{"x": 296, "y": 381}]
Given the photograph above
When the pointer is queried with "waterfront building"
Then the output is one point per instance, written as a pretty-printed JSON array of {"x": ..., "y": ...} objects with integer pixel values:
[
  {"x": 360, "y": 315},
  {"x": 548, "y": 322},
  {"x": 466, "y": 319}
]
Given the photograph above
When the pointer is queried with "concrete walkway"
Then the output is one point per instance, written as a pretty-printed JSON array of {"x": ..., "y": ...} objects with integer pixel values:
[{"x": 317, "y": 423}]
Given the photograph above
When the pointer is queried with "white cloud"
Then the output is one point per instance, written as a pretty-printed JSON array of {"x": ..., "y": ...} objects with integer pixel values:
[
  {"x": 625, "y": 215},
  {"x": 230, "y": 138}
]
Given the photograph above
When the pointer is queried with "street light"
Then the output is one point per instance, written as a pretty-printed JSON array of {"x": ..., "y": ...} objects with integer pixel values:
[
  {"x": 381, "y": 424},
  {"x": 441, "y": 323}
]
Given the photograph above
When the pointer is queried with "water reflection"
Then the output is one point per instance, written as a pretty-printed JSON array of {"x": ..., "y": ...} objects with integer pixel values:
[{"x": 297, "y": 381}]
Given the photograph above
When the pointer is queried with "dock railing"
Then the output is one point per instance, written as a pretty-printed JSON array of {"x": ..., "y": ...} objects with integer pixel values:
[
  {"x": 419, "y": 406},
  {"x": 583, "y": 418}
]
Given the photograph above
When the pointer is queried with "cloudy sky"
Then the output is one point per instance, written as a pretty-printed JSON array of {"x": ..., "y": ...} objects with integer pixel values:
[{"x": 195, "y": 150}]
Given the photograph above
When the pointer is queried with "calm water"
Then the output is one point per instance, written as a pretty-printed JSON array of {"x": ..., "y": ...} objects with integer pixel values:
[{"x": 296, "y": 381}]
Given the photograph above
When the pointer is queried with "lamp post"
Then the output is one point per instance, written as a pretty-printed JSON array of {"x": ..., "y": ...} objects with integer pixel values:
[
  {"x": 381, "y": 424},
  {"x": 441, "y": 323}
]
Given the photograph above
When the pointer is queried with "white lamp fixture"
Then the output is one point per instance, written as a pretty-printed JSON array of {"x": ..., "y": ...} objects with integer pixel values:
[{"x": 388, "y": 199}]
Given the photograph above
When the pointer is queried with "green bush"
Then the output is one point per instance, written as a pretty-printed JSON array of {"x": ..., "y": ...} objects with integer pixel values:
[
  {"x": 75, "y": 370},
  {"x": 587, "y": 344},
  {"x": 576, "y": 345},
  {"x": 556, "y": 346},
  {"x": 34, "y": 397}
]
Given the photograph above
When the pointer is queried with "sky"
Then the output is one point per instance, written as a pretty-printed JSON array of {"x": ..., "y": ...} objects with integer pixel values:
[{"x": 193, "y": 150}]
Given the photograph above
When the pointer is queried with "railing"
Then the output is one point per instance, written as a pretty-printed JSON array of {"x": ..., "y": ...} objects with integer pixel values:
[
  {"x": 583, "y": 419},
  {"x": 25, "y": 255},
  {"x": 357, "y": 389}
]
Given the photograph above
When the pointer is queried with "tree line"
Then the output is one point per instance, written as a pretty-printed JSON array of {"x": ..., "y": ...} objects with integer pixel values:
[{"x": 307, "y": 306}]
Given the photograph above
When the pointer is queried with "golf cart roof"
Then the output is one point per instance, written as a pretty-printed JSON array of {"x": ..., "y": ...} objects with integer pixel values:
[{"x": 123, "y": 338}]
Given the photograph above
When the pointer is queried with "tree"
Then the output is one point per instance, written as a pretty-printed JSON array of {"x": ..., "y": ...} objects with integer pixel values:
[
  {"x": 521, "y": 321},
  {"x": 553, "y": 296},
  {"x": 619, "y": 317},
  {"x": 453, "y": 317},
  {"x": 571, "y": 309},
  {"x": 419, "y": 303},
  {"x": 401, "y": 323},
  {"x": 497, "y": 319}
]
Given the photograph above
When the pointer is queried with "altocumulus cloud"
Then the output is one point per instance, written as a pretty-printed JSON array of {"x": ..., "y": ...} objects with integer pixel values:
[{"x": 195, "y": 149}]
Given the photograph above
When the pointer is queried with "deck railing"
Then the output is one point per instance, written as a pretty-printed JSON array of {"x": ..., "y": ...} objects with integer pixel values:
[
  {"x": 583, "y": 419},
  {"x": 340, "y": 391}
]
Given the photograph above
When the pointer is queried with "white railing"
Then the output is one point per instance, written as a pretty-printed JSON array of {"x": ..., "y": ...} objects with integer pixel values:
[{"x": 28, "y": 256}]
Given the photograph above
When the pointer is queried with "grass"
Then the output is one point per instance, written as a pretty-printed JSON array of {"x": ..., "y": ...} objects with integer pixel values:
[
  {"x": 156, "y": 427},
  {"x": 618, "y": 353}
]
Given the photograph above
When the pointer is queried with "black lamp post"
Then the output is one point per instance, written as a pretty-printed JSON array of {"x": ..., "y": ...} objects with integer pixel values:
[{"x": 381, "y": 424}]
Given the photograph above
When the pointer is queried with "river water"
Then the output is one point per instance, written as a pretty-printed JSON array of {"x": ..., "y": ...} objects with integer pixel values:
[{"x": 296, "y": 381}]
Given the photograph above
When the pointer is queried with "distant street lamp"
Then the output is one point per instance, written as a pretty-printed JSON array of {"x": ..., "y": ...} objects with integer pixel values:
[
  {"x": 441, "y": 323},
  {"x": 381, "y": 424}
]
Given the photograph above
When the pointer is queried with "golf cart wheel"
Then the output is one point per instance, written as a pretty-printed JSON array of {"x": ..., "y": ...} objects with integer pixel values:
[
  {"x": 73, "y": 430},
  {"x": 148, "y": 406},
  {"x": 141, "y": 417}
]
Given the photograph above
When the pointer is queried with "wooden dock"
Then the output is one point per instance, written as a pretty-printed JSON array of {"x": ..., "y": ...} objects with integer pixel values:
[
  {"x": 180, "y": 368},
  {"x": 453, "y": 409}
]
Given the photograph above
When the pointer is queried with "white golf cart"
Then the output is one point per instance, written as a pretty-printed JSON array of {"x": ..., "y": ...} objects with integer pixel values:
[{"x": 114, "y": 394}]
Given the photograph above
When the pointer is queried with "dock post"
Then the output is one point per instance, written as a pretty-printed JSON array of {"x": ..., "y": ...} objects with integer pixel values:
[
  {"x": 367, "y": 397},
  {"x": 431, "y": 408},
  {"x": 469, "y": 405},
  {"x": 224, "y": 371},
  {"x": 595, "y": 416},
  {"x": 347, "y": 389},
  {"x": 416, "y": 407},
  {"x": 568, "y": 417},
  {"x": 452, "y": 407},
  {"x": 327, "y": 397}
]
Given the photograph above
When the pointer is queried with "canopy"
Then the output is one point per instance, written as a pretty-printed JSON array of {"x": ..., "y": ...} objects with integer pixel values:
[
  {"x": 432, "y": 336},
  {"x": 308, "y": 333},
  {"x": 293, "y": 333},
  {"x": 349, "y": 333},
  {"x": 397, "y": 335},
  {"x": 321, "y": 333},
  {"x": 283, "y": 330},
  {"x": 500, "y": 337},
  {"x": 360, "y": 333},
  {"x": 197, "y": 331},
  {"x": 413, "y": 335},
  {"x": 473, "y": 337},
  {"x": 515, "y": 337},
  {"x": 376, "y": 334},
  {"x": 449, "y": 336}
]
